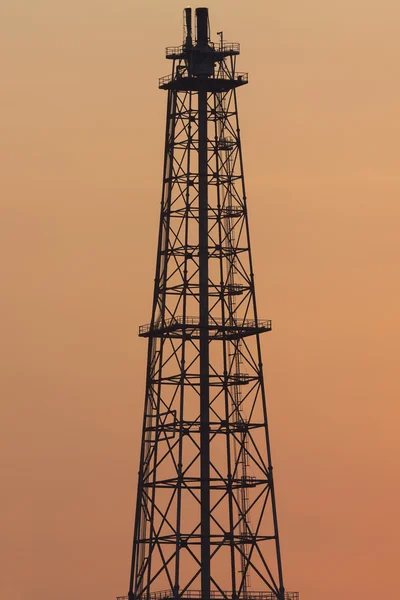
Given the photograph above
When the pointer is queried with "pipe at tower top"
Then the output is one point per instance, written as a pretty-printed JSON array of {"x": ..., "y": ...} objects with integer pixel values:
[
  {"x": 188, "y": 25},
  {"x": 202, "y": 26}
]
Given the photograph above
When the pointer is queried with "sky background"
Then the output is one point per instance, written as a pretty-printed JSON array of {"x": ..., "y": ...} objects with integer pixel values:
[{"x": 81, "y": 148}]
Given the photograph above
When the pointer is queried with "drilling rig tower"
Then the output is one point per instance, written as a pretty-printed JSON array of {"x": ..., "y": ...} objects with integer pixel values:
[{"x": 206, "y": 524}]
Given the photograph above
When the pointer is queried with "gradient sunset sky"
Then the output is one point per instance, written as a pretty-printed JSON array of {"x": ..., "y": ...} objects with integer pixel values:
[{"x": 81, "y": 149}]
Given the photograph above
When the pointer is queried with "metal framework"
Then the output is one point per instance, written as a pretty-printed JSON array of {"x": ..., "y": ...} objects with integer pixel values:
[{"x": 206, "y": 518}]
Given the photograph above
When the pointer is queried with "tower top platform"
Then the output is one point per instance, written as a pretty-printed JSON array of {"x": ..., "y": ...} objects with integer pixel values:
[{"x": 200, "y": 63}]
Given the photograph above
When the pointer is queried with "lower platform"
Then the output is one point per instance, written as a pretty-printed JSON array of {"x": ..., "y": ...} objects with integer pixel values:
[{"x": 215, "y": 595}]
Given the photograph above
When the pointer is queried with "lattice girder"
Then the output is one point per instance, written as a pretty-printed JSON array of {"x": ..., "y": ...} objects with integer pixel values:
[{"x": 204, "y": 344}]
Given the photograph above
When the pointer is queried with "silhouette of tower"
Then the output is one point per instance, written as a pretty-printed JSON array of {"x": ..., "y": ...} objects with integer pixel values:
[{"x": 206, "y": 521}]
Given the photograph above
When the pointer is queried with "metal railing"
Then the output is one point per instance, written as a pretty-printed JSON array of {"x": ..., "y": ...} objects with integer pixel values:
[
  {"x": 213, "y": 323},
  {"x": 165, "y": 80},
  {"x": 214, "y": 595},
  {"x": 236, "y": 76},
  {"x": 174, "y": 50},
  {"x": 216, "y": 46},
  {"x": 226, "y": 47},
  {"x": 239, "y": 77}
]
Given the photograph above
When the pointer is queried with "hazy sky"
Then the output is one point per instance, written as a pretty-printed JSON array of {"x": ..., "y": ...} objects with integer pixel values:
[{"x": 81, "y": 147}]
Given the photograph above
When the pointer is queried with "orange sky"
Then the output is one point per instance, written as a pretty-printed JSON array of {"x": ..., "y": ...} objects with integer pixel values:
[{"x": 81, "y": 151}]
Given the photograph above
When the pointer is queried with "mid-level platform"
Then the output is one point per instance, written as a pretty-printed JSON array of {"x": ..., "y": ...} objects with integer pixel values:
[{"x": 190, "y": 327}]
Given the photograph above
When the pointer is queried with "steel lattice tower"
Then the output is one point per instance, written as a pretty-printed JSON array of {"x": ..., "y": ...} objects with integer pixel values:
[{"x": 206, "y": 519}]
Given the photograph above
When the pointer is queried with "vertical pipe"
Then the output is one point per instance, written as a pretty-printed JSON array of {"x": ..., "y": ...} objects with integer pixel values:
[
  {"x": 202, "y": 26},
  {"x": 180, "y": 483},
  {"x": 204, "y": 347},
  {"x": 188, "y": 25}
]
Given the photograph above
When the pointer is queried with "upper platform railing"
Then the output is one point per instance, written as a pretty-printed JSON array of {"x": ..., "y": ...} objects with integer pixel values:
[
  {"x": 238, "y": 78},
  {"x": 225, "y": 48}
]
